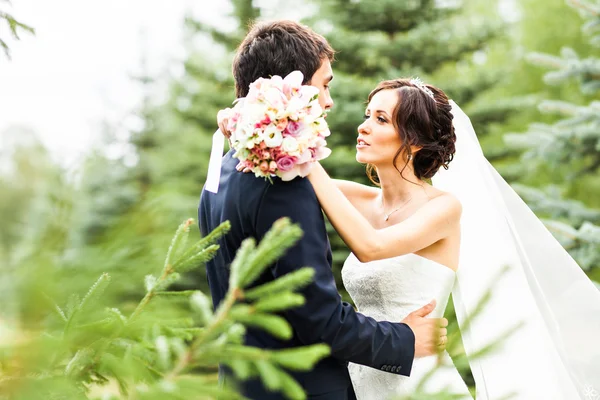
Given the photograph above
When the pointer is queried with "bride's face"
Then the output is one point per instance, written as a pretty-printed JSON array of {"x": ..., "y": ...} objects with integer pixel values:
[{"x": 378, "y": 142}]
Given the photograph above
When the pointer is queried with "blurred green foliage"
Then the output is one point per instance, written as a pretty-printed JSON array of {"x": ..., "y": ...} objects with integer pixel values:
[
  {"x": 169, "y": 345},
  {"x": 14, "y": 27}
]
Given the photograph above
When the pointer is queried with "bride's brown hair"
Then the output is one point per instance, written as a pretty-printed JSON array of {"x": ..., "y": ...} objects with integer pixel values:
[{"x": 423, "y": 122}]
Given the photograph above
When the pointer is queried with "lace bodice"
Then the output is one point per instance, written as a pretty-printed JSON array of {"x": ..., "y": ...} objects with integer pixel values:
[{"x": 389, "y": 290}]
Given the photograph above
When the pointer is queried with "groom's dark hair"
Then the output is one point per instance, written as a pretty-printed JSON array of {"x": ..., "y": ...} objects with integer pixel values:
[{"x": 278, "y": 48}]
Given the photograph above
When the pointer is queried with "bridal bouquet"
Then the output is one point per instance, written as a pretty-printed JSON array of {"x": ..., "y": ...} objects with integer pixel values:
[{"x": 279, "y": 129}]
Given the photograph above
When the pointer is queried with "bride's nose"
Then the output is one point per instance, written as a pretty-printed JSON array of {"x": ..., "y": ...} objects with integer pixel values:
[{"x": 364, "y": 128}]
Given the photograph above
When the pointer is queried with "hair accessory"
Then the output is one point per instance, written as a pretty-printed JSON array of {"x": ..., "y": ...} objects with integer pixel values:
[{"x": 421, "y": 85}]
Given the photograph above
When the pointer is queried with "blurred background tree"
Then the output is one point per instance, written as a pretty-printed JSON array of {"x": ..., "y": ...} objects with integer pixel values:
[
  {"x": 560, "y": 163},
  {"x": 14, "y": 27}
]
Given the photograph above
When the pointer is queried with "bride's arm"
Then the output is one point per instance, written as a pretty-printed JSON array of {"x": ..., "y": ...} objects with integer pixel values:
[
  {"x": 431, "y": 223},
  {"x": 355, "y": 192}
]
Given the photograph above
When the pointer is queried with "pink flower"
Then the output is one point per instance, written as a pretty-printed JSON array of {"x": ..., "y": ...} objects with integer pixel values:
[
  {"x": 282, "y": 124},
  {"x": 266, "y": 120},
  {"x": 294, "y": 128},
  {"x": 286, "y": 163},
  {"x": 264, "y": 166}
]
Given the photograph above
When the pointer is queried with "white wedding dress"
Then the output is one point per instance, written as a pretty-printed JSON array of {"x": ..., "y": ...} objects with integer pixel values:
[{"x": 388, "y": 290}]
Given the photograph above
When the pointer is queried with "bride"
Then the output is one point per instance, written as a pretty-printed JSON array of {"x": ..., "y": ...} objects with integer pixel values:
[
  {"x": 468, "y": 234},
  {"x": 405, "y": 236}
]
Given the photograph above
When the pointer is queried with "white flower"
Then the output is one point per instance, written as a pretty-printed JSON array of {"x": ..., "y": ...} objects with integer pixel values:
[
  {"x": 322, "y": 152},
  {"x": 277, "y": 82},
  {"x": 305, "y": 157},
  {"x": 250, "y": 144},
  {"x": 275, "y": 114},
  {"x": 272, "y": 136},
  {"x": 274, "y": 97},
  {"x": 294, "y": 108},
  {"x": 243, "y": 132},
  {"x": 308, "y": 92},
  {"x": 294, "y": 79},
  {"x": 289, "y": 145},
  {"x": 254, "y": 112},
  {"x": 321, "y": 127}
]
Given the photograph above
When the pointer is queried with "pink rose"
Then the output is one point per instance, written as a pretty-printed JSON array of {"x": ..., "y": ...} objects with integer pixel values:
[
  {"x": 286, "y": 163},
  {"x": 294, "y": 128},
  {"x": 264, "y": 166}
]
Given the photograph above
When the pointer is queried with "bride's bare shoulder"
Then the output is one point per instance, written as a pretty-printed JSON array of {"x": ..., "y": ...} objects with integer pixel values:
[
  {"x": 356, "y": 191},
  {"x": 446, "y": 203}
]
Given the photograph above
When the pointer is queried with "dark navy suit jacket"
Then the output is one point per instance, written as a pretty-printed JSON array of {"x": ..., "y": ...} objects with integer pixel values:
[{"x": 252, "y": 205}]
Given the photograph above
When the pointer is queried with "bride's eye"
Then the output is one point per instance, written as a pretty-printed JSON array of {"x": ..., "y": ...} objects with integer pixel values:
[
  {"x": 366, "y": 117},
  {"x": 382, "y": 120}
]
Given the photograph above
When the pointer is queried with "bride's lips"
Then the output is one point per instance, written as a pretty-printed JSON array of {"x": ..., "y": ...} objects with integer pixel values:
[{"x": 361, "y": 143}]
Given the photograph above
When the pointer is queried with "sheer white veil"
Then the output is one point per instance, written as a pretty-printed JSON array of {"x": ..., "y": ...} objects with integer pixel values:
[{"x": 507, "y": 252}]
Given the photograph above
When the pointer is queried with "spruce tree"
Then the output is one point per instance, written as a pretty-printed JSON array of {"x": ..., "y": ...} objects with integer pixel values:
[
  {"x": 85, "y": 347},
  {"x": 565, "y": 155}
]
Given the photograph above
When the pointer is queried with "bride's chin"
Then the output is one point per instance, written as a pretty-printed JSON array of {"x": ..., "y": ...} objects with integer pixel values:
[{"x": 361, "y": 158}]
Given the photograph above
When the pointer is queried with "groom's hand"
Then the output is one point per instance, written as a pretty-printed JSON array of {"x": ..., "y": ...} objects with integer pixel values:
[
  {"x": 222, "y": 120},
  {"x": 430, "y": 333}
]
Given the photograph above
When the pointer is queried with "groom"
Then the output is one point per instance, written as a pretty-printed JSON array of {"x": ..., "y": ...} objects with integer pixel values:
[{"x": 252, "y": 205}]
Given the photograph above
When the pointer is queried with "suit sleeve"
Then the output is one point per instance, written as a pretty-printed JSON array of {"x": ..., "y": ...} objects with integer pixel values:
[{"x": 324, "y": 318}]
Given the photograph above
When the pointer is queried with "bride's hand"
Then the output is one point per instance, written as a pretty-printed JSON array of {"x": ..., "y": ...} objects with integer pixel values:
[{"x": 317, "y": 172}]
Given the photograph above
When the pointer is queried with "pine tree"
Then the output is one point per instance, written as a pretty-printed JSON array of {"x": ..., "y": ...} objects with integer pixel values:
[
  {"x": 79, "y": 349},
  {"x": 566, "y": 153},
  {"x": 14, "y": 27}
]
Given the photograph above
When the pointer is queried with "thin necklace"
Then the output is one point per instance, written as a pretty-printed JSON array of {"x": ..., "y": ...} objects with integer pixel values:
[{"x": 387, "y": 216}]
